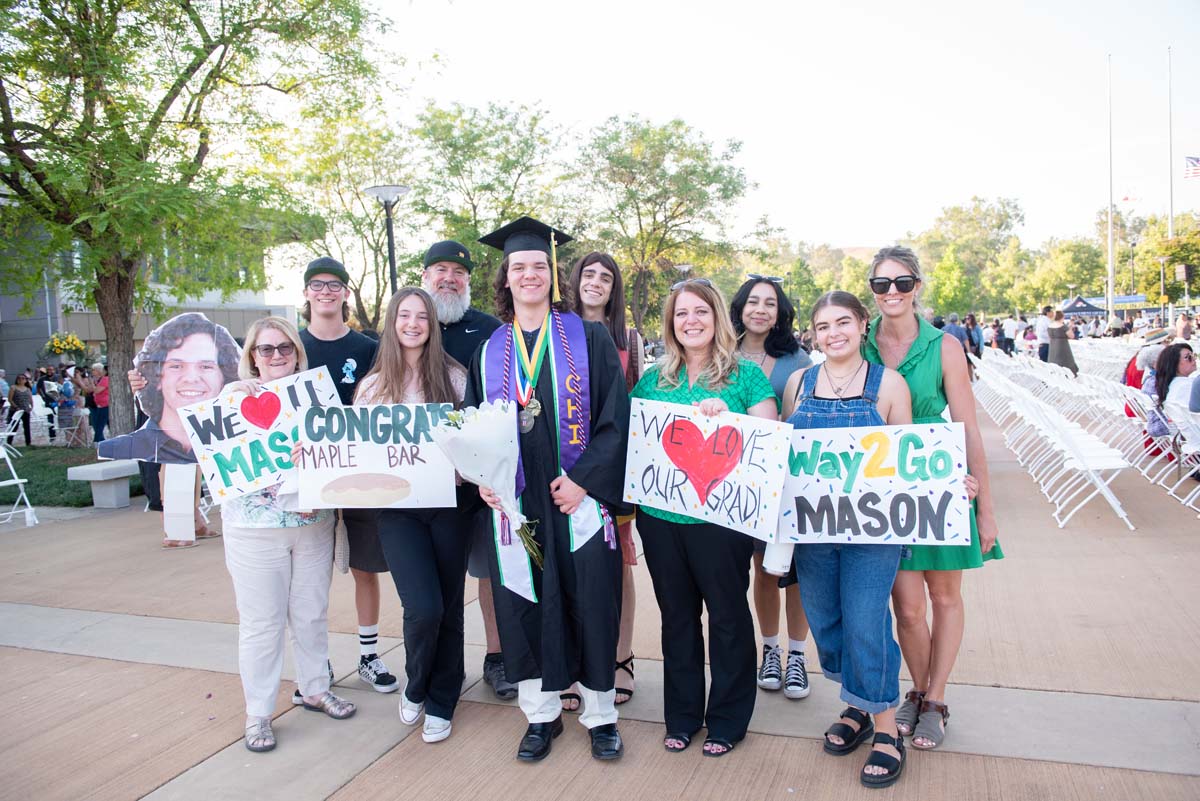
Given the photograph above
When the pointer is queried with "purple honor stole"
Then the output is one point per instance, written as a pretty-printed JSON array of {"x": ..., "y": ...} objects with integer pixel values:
[{"x": 572, "y": 407}]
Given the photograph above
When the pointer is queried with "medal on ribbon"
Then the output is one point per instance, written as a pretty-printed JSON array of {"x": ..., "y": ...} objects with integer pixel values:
[{"x": 528, "y": 369}]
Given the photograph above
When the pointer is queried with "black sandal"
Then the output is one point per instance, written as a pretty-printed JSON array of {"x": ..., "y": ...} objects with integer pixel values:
[
  {"x": 576, "y": 697},
  {"x": 728, "y": 746},
  {"x": 686, "y": 739},
  {"x": 624, "y": 694},
  {"x": 851, "y": 738},
  {"x": 893, "y": 766}
]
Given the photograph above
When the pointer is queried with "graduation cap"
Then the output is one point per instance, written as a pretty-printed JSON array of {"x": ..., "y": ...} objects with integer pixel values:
[{"x": 530, "y": 234}]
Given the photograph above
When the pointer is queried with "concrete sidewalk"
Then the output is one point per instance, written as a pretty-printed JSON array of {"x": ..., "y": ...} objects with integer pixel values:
[{"x": 1077, "y": 679}]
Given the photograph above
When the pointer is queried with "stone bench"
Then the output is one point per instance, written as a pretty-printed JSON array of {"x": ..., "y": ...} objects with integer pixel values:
[{"x": 110, "y": 481}]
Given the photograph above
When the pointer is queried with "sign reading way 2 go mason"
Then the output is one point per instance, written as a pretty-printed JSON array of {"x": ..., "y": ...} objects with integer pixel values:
[{"x": 890, "y": 484}]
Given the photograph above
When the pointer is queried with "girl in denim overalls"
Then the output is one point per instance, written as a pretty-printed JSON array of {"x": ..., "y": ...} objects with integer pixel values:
[{"x": 846, "y": 588}]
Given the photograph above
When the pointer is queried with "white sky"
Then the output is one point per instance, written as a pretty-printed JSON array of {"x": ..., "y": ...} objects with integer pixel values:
[{"x": 860, "y": 119}]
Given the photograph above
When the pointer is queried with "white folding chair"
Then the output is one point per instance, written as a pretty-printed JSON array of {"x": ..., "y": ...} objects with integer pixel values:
[
  {"x": 14, "y": 425},
  {"x": 13, "y": 480}
]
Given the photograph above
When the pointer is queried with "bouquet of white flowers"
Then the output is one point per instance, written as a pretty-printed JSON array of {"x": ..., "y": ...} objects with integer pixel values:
[{"x": 481, "y": 443}]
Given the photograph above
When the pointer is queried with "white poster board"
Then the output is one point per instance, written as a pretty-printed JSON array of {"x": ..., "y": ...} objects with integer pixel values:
[
  {"x": 374, "y": 457},
  {"x": 726, "y": 469},
  {"x": 894, "y": 485},
  {"x": 243, "y": 443}
]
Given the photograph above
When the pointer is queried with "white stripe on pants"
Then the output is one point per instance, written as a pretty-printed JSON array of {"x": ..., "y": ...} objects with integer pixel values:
[
  {"x": 281, "y": 578},
  {"x": 539, "y": 706}
]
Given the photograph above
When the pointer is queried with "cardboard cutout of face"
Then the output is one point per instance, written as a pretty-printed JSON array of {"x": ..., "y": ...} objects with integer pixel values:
[{"x": 186, "y": 360}]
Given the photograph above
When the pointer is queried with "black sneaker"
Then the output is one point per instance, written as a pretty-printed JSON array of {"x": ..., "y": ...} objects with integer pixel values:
[
  {"x": 373, "y": 672},
  {"x": 770, "y": 675},
  {"x": 298, "y": 699},
  {"x": 795, "y": 684},
  {"x": 493, "y": 676}
]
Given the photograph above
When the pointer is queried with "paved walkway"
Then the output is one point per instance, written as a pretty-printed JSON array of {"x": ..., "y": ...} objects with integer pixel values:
[{"x": 1077, "y": 680}]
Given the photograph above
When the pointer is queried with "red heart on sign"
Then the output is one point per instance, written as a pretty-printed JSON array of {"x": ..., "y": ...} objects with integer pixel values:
[
  {"x": 704, "y": 461},
  {"x": 261, "y": 411}
]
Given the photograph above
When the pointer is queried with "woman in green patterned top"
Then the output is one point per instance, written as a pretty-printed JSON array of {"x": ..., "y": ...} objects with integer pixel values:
[
  {"x": 693, "y": 563},
  {"x": 936, "y": 371}
]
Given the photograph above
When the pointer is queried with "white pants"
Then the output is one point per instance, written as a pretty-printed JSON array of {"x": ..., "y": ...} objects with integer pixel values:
[
  {"x": 539, "y": 706},
  {"x": 281, "y": 578}
]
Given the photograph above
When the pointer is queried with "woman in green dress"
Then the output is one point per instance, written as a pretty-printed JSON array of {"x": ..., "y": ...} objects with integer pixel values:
[{"x": 936, "y": 371}]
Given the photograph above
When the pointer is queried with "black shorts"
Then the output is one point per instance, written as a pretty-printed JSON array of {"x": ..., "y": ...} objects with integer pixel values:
[{"x": 362, "y": 532}]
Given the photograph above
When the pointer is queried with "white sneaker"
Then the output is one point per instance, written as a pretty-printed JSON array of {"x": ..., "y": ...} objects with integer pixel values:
[
  {"x": 410, "y": 713},
  {"x": 436, "y": 729}
]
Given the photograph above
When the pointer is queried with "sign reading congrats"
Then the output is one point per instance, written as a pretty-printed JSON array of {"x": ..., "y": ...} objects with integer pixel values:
[
  {"x": 374, "y": 457},
  {"x": 890, "y": 484},
  {"x": 724, "y": 469},
  {"x": 243, "y": 443}
]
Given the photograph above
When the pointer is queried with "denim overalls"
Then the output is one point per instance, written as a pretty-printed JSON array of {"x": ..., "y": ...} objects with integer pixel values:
[{"x": 846, "y": 588}]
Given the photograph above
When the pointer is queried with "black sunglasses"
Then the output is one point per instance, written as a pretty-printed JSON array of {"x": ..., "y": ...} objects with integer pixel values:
[
  {"x": 686, "y": 281},
  {"x": 316, "y": 285},
  {"x": 774, "y": 279},
  {"x": 267, "y": 351},
  {"x": 904, "y": 284}
]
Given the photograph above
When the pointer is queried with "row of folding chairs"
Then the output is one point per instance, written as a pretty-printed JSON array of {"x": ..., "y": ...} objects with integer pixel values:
[
  {"x": 1070, "y": 464},
  {"x": 1121, "y": 417}
]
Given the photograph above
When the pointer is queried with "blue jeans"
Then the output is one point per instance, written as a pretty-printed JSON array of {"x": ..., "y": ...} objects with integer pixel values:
[
  {"x": 845, "y": 590},
  {"x": 99, "y": 421}
]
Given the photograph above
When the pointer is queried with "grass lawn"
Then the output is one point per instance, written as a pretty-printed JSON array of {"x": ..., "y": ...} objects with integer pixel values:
[{"x": 45, "y": 470}]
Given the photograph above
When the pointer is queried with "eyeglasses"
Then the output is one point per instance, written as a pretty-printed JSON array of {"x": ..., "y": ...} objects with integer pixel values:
[
  {"x": 774, "y": 279},
  {"x": 316, "y": 285},
  {"x": 1187, "y": 356},
  {"x": 267, "y": 351},
  {"x": 904, "y": 284},
  {"x": 686, "y": 281}
]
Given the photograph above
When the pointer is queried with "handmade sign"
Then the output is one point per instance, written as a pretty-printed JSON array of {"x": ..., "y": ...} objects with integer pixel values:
[
  {"x": 884, "y": 485},
  {"x": 185, "y": 361},
  {"x": 374, "y": 457},
  {"x": 243, "y": 443},
  {"x": 725, "y": 469}
]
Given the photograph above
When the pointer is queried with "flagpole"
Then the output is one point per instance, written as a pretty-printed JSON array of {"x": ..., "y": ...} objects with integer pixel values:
[
  {"x": 1170, "y": 157},
  {"x": 1112, "y": 269}
]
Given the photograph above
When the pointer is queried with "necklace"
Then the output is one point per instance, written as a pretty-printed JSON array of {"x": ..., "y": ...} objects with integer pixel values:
[
  {"x": 759, "y": 356},
  {"x": 839, "y": 390}
]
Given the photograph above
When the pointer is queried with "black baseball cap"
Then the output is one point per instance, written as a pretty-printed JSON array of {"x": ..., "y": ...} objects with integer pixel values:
[
  {"x": 329, "y": 266},
  {"x": 449, "y": 250}
]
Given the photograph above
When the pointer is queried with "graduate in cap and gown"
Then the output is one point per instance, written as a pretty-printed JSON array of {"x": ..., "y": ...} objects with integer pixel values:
[{"x": 558, "y": 623}]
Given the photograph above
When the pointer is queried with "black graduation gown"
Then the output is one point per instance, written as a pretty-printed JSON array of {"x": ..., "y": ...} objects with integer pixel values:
[{"x": 571, "y": 633}]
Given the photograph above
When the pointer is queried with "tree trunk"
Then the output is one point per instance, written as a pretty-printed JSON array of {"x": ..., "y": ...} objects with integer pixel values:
[{"x": 114, "y": 299}]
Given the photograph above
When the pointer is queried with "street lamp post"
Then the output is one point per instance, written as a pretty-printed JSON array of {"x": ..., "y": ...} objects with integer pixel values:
[
  {"x": 1132, "y": 276},
  {"x": 1162, "y": 287},
  {"x": 389, "y": 195}
]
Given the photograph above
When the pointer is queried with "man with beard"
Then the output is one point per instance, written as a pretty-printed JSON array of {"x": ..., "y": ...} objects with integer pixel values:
[{"x": 447, "y": 279}]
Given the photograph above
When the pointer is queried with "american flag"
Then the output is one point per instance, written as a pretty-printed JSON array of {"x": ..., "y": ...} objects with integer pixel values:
[{"x": 1191, "y": 168}]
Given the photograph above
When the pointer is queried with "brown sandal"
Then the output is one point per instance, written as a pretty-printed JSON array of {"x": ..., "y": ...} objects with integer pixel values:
[
  {"x": 174, "y": 545},
  {"x": 206, "y": 533}
]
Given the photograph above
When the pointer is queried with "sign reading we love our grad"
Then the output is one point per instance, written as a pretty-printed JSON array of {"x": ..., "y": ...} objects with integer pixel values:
[
  {"x": 725, "y": 469},
  {"x": 374, "y": 457},
  {"x": 243, "y": 443},
  {"x": 872, "y": 485}
]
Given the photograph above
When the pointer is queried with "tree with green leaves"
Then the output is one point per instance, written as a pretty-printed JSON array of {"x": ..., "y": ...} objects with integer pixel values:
[
  {"x": 483, "y": 168},
  {"x": 109, "y": 111},
  {"x": 661, "y": 195},
  {"x": 979, "y": 232}
]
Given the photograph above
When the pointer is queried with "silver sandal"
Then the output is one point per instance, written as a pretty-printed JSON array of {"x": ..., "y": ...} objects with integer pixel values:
[
  {"x": 330, "y": 704},
  {"x": 909, "y": 712},
  {"x": 260, "y": 737},
  {"x": 935, "y": 716}
]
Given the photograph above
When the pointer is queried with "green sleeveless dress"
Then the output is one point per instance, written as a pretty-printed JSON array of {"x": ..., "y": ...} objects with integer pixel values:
[{"x": 922, "y": 370}]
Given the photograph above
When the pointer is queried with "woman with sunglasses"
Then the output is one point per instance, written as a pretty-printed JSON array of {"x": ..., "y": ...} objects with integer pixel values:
[
  {"x": 693, "y": 563},
  {"x": 762, "y": 318},
  {"x": 426, "y": 549},
  {"x": 936, "y": 371},
  {"x": 281, "y": 561}
]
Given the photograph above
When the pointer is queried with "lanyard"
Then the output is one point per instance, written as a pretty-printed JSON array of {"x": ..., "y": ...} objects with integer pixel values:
[{"x": 529, "y": 369}]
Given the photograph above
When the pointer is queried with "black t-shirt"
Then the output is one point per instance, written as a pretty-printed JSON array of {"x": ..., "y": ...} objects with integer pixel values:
[
  {"x": 463, "y": 338},
  {"x": 348, "y": 359}
]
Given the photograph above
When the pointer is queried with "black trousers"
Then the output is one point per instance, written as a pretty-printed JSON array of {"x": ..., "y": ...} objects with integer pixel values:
[
  {"x": 692, "y": 566},
  {"x": 426, "y": 551},
  {"x": 24, "y": 422},
  {"x": 1044, "y": 351}
]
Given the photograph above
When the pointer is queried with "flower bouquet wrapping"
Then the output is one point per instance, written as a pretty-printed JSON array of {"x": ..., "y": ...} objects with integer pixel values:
[{"x": 481, "y": 443}]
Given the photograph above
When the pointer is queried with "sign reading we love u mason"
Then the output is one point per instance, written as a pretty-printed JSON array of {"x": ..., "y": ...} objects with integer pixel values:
[
  {"x": 726, "y": 469},
  {"x": 243, "y": 443}
]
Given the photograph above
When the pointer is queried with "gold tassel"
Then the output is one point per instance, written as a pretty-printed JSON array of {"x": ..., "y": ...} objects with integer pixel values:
[{"x": 554, "y": 267}]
